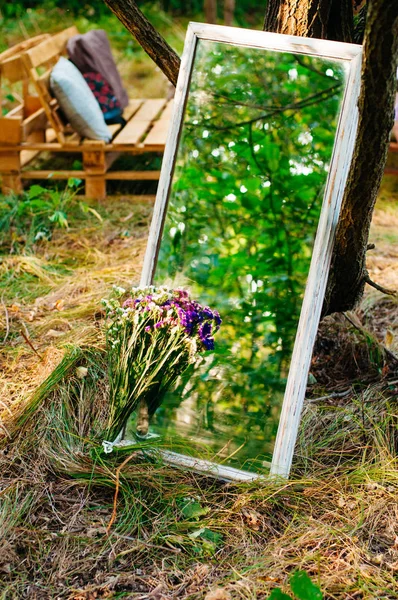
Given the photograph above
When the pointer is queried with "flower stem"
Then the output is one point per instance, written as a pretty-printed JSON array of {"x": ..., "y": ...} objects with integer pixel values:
[{"x": 142, "y": 419}]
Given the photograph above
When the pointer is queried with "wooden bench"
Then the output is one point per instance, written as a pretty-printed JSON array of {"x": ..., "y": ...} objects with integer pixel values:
[{"x": 38, "y": 126}]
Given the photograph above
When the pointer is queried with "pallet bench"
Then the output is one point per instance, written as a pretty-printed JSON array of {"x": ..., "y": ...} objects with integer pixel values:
[
  {"x": 36, "y": 126},
  {"x": 145, "y": 131}
]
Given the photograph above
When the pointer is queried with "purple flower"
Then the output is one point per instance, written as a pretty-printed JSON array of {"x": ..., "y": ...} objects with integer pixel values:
[
  {"x": 205, "y": 330},
  {"x": 208, "y": 343},
  {"x": 217, "y": 319},
  {"x": 207, "y": 313},
  {"x": 205, "y": 335},
  {"x": 164, "y": 309}
]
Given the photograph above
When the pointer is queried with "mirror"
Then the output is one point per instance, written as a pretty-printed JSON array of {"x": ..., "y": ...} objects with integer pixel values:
[{"x": 260, "y": 139}]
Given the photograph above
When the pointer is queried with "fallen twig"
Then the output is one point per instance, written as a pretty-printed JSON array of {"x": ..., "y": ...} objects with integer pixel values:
[
  {"x": 144, "y": 543},
  {"x": 27, "y": 340},
  {"x": 329, "y": 396}
]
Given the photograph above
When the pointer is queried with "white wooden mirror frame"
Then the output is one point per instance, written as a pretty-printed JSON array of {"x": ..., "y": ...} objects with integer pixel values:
[{"x": 351, "y": 54}]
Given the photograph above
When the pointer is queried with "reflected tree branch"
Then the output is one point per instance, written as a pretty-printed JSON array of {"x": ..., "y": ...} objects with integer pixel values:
[
  {"x": 310, "y": 101},
  {"x": 240, "y": 103},
  {"x": 311, "y": 67}
]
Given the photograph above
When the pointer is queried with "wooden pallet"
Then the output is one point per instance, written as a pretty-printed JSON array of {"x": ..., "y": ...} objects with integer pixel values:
[
  {"x": 26, "y": 133},
  {"x": 145, "y": 131}
]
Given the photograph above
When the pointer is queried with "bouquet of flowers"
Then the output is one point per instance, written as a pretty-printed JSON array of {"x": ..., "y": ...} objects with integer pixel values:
[{"x": 153, "y": 335}]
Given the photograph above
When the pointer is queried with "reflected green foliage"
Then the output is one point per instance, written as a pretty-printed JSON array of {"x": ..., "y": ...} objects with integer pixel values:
[{"x": 247, "y": 192}]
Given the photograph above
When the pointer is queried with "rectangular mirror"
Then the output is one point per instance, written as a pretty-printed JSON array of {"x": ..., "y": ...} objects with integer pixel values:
[{"x": 252, "y": 179}]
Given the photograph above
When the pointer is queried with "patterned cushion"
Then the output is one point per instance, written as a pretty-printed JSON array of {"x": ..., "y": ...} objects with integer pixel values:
[{"x": 104, "y": 95}]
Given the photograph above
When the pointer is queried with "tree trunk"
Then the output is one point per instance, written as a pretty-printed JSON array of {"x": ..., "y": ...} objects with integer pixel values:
[
  {"x": 348, "y": 275},
  {"x": 146, "y": 35},
  {"x": 323, "y": 19},
  {"x": 229, "y": 9},
  {"x": 210, "y": 8}
]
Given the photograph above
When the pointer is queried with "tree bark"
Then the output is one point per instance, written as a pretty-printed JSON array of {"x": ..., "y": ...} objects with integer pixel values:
[
  {"x": 146, "y": 35},
  {"x": 229, "y": 9},
  {"x": 348, "y": 273},
  {"x": 323, "y": 19},
  {"x": 210, "y": 8}
]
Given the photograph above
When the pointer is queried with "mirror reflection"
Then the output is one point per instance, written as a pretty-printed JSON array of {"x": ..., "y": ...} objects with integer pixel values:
[{"x": 251, "y": 167}]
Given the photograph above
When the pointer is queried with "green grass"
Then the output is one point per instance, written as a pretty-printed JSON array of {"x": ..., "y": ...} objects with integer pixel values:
[{"x": 23, "y": 287}]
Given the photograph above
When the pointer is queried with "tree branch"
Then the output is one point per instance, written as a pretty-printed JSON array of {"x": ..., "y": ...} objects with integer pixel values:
[
  {"x": 378, "y": 287},
  {"x": 146, "y": 35}
]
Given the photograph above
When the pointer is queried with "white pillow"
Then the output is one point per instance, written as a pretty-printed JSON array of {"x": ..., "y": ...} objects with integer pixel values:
[{"x": 77, "y": 101}]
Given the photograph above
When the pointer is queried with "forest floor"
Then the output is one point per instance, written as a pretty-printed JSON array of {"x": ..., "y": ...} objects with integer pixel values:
[{"x": 336, "y": 517}]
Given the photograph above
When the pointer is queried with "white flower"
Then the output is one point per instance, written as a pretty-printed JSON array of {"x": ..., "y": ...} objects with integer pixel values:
[
  {"x": 81, "y": 372},
  {"x": 118, "y": 290}
]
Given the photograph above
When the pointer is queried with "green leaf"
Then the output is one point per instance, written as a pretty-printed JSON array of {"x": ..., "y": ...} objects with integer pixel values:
[
  {"x": 303, "y": 587},
  {"x": 208, "y": 535},
  {"x": 59, "y": 217},
  {"x": 74, "y": 182},
  {"x": 209, "y": 539},
  {"x": 194, "y": 510},
  {"x": 87, "y": 209},
  {"x": 277, "y": 594},
  {"x": 272, "y": 153},
  {"x": 35, "y": 191},
  {"x": 55, "y": 197}
]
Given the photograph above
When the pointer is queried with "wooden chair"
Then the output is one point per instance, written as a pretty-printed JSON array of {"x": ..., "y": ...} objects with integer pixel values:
[
  {"x": 18, "y": 124},
  {"x": 145, "y": 131},
  {"x": 26, "y": 123}
]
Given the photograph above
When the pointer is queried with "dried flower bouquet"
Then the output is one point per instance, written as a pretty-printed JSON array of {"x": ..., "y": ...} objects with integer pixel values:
[{"x": 153, "y": 335}]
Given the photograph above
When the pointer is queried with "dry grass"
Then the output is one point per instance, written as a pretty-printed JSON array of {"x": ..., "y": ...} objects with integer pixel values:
[
  {"x": 336, "y": 518},
  {"x": 77, "y": 268}
]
